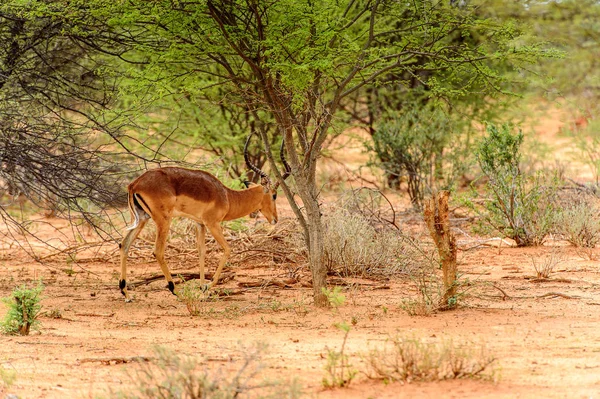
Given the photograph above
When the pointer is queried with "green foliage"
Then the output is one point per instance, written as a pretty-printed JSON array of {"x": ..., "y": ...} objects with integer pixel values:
[
  {"x": 518, "y": 206},
  {"x": 424, "y": 146},
  {"x": 587, "y": 143},
  {"x": 335, "y": 296},
  {"x": 23, "y": 310},
  {"x": 339, "y": 371},
  {"x": 7, "y": 377},
  {"x": 194, "y": 295}
]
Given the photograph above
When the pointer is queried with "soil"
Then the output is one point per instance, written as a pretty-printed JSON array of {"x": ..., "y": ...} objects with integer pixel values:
[{"x": 544, "y": 334}]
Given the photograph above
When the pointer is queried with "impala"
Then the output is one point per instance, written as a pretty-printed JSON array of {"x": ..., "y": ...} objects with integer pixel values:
[{"x": 163, "y": 193}]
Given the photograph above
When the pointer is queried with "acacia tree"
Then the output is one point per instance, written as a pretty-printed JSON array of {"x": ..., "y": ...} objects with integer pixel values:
[
  {"x": 48, "y": 152},
  {"x": 299, "y": 61}
]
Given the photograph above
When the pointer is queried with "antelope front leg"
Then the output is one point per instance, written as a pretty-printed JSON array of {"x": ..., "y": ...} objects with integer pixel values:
[
  {"x": 162, "y": 232},
  {"x": 201, "y": 244},
  {"x": 217, "y": 233}
]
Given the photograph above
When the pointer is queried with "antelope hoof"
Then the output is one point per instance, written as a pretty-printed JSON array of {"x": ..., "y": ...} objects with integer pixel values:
[
  {"x": 206, "y": 287},
  {"x": 128, "y": 300},
  {"x": 172, "y": 288}
]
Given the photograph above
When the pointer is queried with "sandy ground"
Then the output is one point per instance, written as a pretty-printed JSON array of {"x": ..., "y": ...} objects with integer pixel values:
[{"x": 545, "y": 336}]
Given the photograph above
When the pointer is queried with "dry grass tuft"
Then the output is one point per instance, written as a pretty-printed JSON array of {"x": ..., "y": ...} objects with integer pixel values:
[{"x": 412, "y": 359}]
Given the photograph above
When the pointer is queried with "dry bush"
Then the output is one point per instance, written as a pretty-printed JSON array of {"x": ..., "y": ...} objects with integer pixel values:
[
  {"x": 412, "y": 359},
  {"x": 579, "y": 223},
  {"x": 353, "y": 247},
  {"x": 172, "y": 375},
  {"x": 544, "y": 265}
]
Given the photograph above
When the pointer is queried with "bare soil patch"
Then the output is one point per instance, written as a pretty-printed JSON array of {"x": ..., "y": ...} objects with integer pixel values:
[{"x": 544, "y": 334}]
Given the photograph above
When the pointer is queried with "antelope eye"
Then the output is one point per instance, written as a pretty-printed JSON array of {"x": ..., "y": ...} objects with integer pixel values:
[{"x": 275, "y": 196}]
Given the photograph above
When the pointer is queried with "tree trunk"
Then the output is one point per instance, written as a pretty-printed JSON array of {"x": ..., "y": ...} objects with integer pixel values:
[
  {"x": 313, "y": 235},
  {"x": 316, "y": 251},
  {"x": 438, "y": 223}
]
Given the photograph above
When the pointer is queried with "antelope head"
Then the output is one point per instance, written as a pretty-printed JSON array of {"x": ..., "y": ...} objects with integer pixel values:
[{"x": 268, "y": 204}]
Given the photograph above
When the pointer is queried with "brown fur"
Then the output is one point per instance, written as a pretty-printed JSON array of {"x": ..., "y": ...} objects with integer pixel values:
[{"x": 164, "y": 193}]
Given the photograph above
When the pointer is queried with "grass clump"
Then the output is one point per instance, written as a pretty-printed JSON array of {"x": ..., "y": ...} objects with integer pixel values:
[
  {"x": 579, "y": 224},
  {"x": 429, "y": 293},
  {"x": 7, "y": 378},
  {"x": 23, "y": 310},
  {"x": 544, "y": 265},
  {"x": 353, "y": 247},
  {"x": 412, "y": 359},
  {"x": 171, "y": 375}
]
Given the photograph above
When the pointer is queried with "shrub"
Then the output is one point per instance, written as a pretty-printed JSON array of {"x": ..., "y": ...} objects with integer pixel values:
[
  {"x": 579, "y": 224},
  {"x": 411, "y": 359},
  {"x": 193, "y": 295},
  {"x": 172, "y": 376},
  {"x": 420, "y": 145},
  {"x": 353, "y": 247},
  {"x": 23, "y": 310},
  {"x": 544, "y": 265},
  {"x": 517, "y": 206},
  {"x": 429, "y": 293}
]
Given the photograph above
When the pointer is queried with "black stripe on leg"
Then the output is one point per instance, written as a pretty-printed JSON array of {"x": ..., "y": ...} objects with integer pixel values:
[{"x": 122, "y": 285}]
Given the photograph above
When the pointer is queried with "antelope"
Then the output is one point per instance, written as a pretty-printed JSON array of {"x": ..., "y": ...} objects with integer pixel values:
[{"x": 163, "y": 193}]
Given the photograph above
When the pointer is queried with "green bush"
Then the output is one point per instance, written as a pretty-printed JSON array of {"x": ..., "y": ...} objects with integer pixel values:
[
  {"x": 422, "y": 146},
  {"x": 516, "y": 205},
  {"x": 23, "y": 310}
]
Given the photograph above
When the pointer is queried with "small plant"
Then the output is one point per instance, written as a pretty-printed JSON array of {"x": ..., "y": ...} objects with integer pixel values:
[
  {"x": 7, "y": 378},
  {"x": 340, "y": 372},
  {"x": 412, "y": 359},
  {"x": 544, "y": 265},
  {"x": 171, "y": 375},
  {"x": 23, "y": 310},
  {"x": 516, "y": 205},
  {"x": 429, "y": 293},
  {"x": 579, "y": 224},
  {"x": 195, "y": 297}
]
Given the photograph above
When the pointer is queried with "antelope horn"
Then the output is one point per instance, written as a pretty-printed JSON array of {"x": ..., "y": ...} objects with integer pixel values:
[
  {"x": 256, "y": 170},
  {"x": 288, "y": 169}
]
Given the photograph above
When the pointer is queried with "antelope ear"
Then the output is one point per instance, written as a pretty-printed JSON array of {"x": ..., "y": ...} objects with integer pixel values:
[{"x": 266, "y": 189}]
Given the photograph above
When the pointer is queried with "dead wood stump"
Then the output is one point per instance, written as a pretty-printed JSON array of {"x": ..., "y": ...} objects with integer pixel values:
[{"x": 438, "y": 223}]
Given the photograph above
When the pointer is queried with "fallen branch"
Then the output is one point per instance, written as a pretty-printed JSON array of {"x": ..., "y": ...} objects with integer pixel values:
[
  {"x": 116, "y": 360},
  {"x": 548, "y": 280},
  {"x": 95, "y": 314},
  {"x": 181, "y": 277},
  {"x": 263, "y": 284},
  {"x": 555, "y": 294},
  {"x": 502, "y": 291}
]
